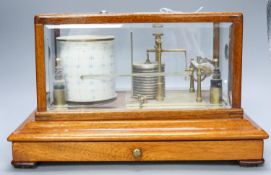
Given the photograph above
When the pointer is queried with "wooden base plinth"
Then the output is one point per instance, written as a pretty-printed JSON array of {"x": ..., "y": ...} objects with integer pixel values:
[{"x": 137, "y": 141}]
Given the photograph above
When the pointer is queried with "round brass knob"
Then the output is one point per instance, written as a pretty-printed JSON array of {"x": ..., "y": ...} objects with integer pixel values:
[{"x": 137, "y": 152}]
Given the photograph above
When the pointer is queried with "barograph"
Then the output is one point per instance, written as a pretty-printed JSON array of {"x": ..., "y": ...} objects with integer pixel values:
[{"x": 138, "y": 87}]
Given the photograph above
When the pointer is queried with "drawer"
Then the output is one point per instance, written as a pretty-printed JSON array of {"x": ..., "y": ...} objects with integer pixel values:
[{"x": 137, "y": 151}]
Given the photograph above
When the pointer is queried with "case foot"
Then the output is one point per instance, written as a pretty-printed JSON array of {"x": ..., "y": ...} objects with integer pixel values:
[
  {"x": 251, "y": 163},
  {"x": 22, "y": 165}
]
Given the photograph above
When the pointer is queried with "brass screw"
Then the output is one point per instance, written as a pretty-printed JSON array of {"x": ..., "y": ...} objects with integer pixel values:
[
  {"x": 137, "y": 153},
  {"x": 141, "y": 99}
]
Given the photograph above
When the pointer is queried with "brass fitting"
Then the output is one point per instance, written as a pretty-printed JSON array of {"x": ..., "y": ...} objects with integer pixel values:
[
  {"x": 158, "y": 55},
  {"x": 216, "y": 85},
  {"x": 199, "y": 95},
  {"x": 158, "y": 58}
]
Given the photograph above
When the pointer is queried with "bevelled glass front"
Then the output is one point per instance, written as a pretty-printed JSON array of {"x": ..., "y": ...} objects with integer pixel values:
[{"x": 137, "y": 66}]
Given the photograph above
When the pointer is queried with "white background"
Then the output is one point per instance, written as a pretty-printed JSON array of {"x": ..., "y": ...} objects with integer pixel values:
[{"x": 17, "y": 75}]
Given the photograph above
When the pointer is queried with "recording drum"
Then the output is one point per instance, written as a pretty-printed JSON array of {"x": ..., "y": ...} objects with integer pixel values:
[{"x": 88, "y": 56}]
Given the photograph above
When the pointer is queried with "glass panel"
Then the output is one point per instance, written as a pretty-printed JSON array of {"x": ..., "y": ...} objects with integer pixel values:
[{"x": 137, "y": 66}]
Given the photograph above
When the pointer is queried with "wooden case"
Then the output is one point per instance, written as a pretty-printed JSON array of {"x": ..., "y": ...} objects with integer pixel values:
[
  {"x": 153, "y": 135},
  {"x": 235, "y": 63}
]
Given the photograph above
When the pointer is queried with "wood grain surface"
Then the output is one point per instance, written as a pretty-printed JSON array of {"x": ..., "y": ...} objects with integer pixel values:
[
  {"x": 138, "y": 130},
  {"x": 123, "y": 151},
  {"x": 137, "y": 17},
  {"x": 159, "y": 140},
  {"x": 40, "y": 68},
  {"x": 139, "y": 114}
]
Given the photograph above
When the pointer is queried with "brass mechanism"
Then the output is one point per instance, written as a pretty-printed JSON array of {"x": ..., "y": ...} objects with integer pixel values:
[
  {"x": 153, "y": 87},
  {"x": 203, "y": 68},
  {"x": 158, "y": 50}
]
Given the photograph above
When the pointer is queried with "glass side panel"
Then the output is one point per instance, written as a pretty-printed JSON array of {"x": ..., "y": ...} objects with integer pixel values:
[{"x": 137, "y": 66}]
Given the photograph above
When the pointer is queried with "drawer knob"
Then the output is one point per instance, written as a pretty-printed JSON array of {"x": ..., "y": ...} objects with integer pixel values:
[{"x": 137, "y": 152}]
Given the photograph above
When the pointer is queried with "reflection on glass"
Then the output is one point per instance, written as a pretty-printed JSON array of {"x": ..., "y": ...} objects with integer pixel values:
[{"x": 137, "y": 66}]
